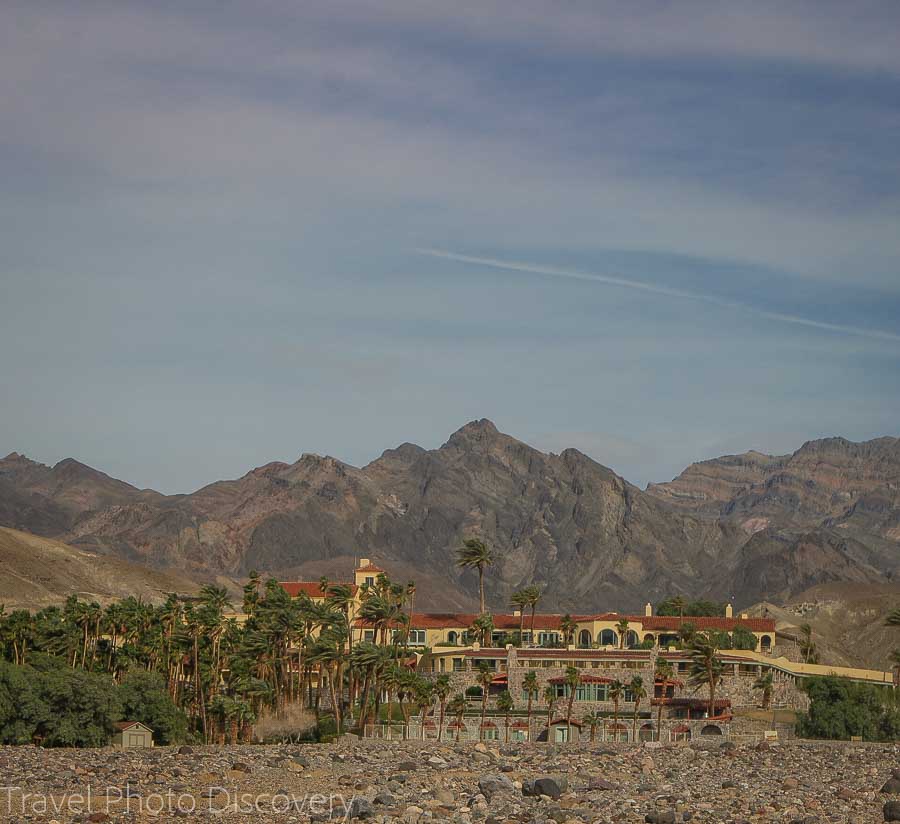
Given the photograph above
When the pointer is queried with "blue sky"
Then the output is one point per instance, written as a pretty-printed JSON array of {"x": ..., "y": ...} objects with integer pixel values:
[{"x": 237, "y": 232}]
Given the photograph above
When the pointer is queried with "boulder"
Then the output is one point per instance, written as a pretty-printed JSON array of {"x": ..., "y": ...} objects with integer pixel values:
[
  {"x": 489, "y": 785},
  {"x": 891, "y": 811}
]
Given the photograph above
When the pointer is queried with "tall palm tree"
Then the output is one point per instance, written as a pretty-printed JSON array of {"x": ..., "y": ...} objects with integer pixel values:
[
  {"x": 483, "y": 626},
  {"x": 592, "y": 720},
  {"x": 442, "y": 693},
  {"x": 424, "y": 697},
  {"x": 568, "y": 626},
  {"x": 550, "y": 698},
  {"x": 807, "y": 647},
  {"x": 664, "y": 673},
  {"x": 505, "y": 704},
  {"x": 475, "y": 554},
  {"x": 519, "y": 601},
  {"x": 485, "y": 676},
  {"x": 457, "y": 707},
  {"x": 765, "y": 684},
  {"x": 678, "y": 603},
  {"x": 622, "y": 629},
  {"x": 530, "y": 686},
  {"x": 638, "y": 693},
  {"x": 616, "y": 692},
  {"x": 571, "y": 679},
  {"x": 706, "y": 667},
  {"x": 534, "y": 596}
]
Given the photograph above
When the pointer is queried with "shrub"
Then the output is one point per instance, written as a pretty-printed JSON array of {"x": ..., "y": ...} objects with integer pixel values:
[{"x": 840, "y": 708}]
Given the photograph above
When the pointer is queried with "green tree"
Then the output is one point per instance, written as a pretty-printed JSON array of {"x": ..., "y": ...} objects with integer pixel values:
[
  {"x": 485, "y": 676},
  {"x": 505, "y": 704},
  {"x": 568, "y": 626},
  {"x": 550, "y": 698},
  {"x": 592, "y": 720},
  {"x": 457, "y": 707},
  {"x": 145, "y": 698},
  {"x": 530, "y": 686},
  {"x": 638, "y": 693},
  {"x": 840, "y": 709},
  {"x": 572, "y": 679},
  {"x": 442, "y": 693},
  {"x": 706, "y": 667},
  {"x": 622, "y": 629},
  {"x": 616, "y": 693},
  {"x": 765, "y": 684},
  {"x": 475, "y": 554}
]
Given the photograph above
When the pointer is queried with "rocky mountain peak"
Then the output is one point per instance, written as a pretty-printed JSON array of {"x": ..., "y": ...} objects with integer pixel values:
[{"x": 480, "y": 432}]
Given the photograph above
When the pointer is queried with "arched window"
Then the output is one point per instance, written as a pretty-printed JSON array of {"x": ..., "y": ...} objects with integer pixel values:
[
  {"x": 650, "y": 637},
  {"x": 646, "y": 733},
  {"x": 681, "y": 733},
  {"x": 584, "y": 639},
  {"x": 452, "y": 637},
  {"x": 607, "y": 638},
  {"x": 711, "y": 729},
  {"x": 765, "y": 643}
]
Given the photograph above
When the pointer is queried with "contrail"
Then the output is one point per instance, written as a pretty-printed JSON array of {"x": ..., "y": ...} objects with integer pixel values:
[{"x": 644, "y": 286}]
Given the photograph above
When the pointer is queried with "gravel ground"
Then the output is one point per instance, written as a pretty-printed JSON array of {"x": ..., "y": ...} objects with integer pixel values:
[{"x": 421, "y": 783}]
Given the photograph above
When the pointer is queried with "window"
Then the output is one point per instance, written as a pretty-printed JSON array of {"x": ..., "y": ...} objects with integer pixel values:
[
  {"x": 458, "y": 665},
  {"x": 452, "y": 637},
  {"x": 490, "y": 734},
  {"x": 561, "y": 734},
  {"x": 546, "y": 639},
  {"x": 417, "y": 637},
  {"x": 370, "y": 581},
  {"x": 592, "y": 692},
  {"x": 369, "y": 635},
  {"x": 518, "y": 735}
]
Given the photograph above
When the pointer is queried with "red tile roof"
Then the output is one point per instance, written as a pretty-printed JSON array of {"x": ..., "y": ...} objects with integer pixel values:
[
  {"x": 369, "y": 568},
  {"x": 673, "y": 622},
  {"x": 313, "y": 589},
  {"x": 127, "y": 725}
]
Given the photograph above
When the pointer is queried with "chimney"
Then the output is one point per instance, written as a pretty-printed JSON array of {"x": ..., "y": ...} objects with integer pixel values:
[
  {"x": 363, "y": 562},
  {"x": 648, "y": 609},
  {"x": 744, "y": 616},
  {"x": 729, "y": 611},
  {"x": 517, "y": 612}
]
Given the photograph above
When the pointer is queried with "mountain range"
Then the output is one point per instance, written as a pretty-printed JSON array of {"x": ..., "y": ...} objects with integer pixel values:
[{"x": 746, "y": 528}]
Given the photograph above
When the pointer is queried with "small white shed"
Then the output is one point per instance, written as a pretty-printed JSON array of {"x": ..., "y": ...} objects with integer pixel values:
[{"x": 132, "y": 734}]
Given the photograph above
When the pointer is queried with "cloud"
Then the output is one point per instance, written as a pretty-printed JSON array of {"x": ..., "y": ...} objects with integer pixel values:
[{"x": 627, "y": 283}]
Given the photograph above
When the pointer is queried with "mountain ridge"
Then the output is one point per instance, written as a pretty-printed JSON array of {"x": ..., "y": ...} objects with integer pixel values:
[{"x": 749, "y": 526}]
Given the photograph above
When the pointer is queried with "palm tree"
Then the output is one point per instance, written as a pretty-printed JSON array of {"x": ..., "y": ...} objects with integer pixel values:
[
  {"x": 457, "y": 707},
  {"x": 616, "y": 692},
  {"x": 678, "y": 603},
  {"x": 533, "y": 594},
  {"x": 663, "y": 673},
  {"x": 530, "y": 686},
  {"x": 807, "y": 647},
  {"x": 706, "y": 667},
  {"x": 592, "y": 720},
  {"x": 622, "y": 629},
  {"x": 475, "y": 554},
  {"x": 485, "y": 676},
  {"x": 550, "y": 698},
  {"x": 519, "y": 600},
  {"x": 442, "y": 692},
  {"x": 505, "y": 704},
  {"x": 568, "y": 627},
  {"x": 686, "y": 633},
  {"x": 424, "y": 695},
  {"x": 765, "y": 684},
  {"x": 638, "y": 693},
  {"x": 571, "y": 679},
  {"x": 483, "y": 626}
]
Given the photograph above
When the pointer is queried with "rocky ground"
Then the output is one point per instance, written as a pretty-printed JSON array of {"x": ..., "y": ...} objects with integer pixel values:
[{"x": 421, "y": 783}]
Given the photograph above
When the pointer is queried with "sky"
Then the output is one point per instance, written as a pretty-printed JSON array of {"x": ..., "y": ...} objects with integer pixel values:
[{"x": 236, "y": 232}]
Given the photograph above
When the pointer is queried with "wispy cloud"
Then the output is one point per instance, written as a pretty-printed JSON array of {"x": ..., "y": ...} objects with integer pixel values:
[{"x": 656, "y": 289}]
